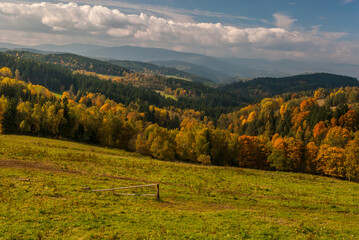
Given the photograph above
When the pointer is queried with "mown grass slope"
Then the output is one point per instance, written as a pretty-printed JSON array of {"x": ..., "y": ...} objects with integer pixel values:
[{"x": 197, "y": 202}]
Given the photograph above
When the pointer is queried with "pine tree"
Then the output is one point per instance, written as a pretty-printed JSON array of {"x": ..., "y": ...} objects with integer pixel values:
[{"x": 9, "y": 118}]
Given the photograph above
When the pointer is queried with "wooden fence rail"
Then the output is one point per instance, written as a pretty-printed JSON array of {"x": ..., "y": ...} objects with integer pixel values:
[{"x": 157, "y": 195}]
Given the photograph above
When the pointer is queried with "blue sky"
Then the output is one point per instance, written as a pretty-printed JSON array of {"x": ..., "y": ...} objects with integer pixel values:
[
  {"x": 332, "y": 15},
  {"x": 273, "y": 29}
]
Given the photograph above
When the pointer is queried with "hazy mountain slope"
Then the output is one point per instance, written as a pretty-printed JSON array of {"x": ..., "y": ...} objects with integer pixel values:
[
  {"x": 143, "y": 67},
  {"x": 195, "y": 69},
  {"x": 9, "y": 45},
  {"x": 241, "y": 67},
  {"x": 156, "y": 54},
  {"x": 76, "y": 48},
  {"x": 139, "y": 53}
]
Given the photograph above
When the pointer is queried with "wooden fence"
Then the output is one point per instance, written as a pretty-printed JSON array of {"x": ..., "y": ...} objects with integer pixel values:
[{"x": 157, "y": 195}]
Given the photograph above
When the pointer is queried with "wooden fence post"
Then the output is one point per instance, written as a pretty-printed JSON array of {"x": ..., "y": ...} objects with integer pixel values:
[{"x": 158, "y": 191}]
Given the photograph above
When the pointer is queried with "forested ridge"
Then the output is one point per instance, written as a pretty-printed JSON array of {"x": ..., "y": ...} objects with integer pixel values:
[
  {"x": 314, "y": 132},
  {"x": 268, "y": 87},
  {"x": 72, "y": 61}
]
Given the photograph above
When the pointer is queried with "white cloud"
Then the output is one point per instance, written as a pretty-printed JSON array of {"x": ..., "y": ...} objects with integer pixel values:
[
  {"x": 283, "y": 21},
  {"x": 176, "y": 14},
  {"x": 348, "y": 1},
  {"x": 63, "y": 23}
]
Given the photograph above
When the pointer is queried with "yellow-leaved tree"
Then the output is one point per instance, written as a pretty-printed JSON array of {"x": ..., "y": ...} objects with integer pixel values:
[
  {"x": 351, "y": 162},
  {"x": 287, "y": 154},
  {"x": 6, "y": 72},
  {"x": 330, "y": 161},
  {"x": 337, "y": 137}
]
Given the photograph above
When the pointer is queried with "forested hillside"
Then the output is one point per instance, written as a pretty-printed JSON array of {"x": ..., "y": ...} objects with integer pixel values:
[
  {"x": 317, "y": 133},
  {"x": 131, "y": 87},
  {"x": 72, "y": 61}
]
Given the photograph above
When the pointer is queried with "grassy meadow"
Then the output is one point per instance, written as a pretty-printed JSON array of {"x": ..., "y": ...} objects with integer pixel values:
[{"x": 42, "y": 197}]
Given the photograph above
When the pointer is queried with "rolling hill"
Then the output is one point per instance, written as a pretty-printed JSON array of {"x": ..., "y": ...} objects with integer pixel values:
[{"x": 42, "y": 196}]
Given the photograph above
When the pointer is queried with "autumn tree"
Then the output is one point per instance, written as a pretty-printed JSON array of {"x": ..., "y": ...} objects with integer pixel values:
[
  {"x": 349, "y": 120},
  {"x": 330, "y": 160},
  {"x": 6, "y": 72},
  {"x": 287, "y": 154},
  {"x": 252, "y": 152},
  {"x": 337, "y": 137},
  {"x": 159, "y": 142},
  {"x": 219, "y": 148},
  {"x": 24, "y": 110},
  {"x": 351, "y": 162},
  {"x": 320, "y": 131},
  {"x": 185, "y": 144},
  {"x": 310, "y": 156},
  {"x": 307, "y": 104}
]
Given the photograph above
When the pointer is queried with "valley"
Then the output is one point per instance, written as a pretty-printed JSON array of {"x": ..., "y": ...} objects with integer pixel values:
[{"x": 183, "y": 119}]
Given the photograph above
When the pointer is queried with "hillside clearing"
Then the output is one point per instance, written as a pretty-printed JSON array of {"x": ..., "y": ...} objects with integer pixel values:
[{"x": 196, "y": 201}]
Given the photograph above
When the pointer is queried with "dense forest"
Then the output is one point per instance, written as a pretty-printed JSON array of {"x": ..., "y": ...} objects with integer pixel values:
[
  {"x": 72, "y": 61},
  {"x": 268, "y": 87},
  {"x": 315, "y": 132}
]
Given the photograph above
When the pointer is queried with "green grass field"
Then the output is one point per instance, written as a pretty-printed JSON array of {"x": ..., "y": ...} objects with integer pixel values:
[
  {"x": 41, "y": 197},
  {"x": 180, "y": 78},
  {"x": 166, "y": 95}
]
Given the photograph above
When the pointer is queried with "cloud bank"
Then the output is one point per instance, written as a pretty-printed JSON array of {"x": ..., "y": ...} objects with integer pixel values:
[{"x": 69, "y": 22}]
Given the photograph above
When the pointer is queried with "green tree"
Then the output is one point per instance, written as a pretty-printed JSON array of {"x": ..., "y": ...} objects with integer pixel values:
[{"x": 9, "y": 123}]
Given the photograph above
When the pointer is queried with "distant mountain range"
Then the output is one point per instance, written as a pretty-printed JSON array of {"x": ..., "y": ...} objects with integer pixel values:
[
  {"x": 226, "y": 68},
  {"x": 220, "y": 70}
]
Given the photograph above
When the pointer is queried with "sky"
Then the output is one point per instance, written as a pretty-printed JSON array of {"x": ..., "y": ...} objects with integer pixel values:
[{"x": 320, "y": 30}]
